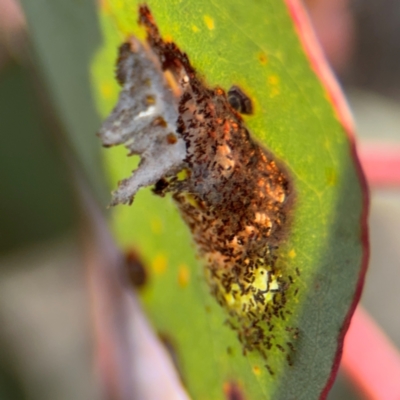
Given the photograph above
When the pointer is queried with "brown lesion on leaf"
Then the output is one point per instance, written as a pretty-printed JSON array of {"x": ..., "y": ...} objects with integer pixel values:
[
  {"x": 135, "y": 270},
  {"x": 263, "y": 58},
  {"x": 233, "y": 391},
  {"x": 235, "y": 196}
]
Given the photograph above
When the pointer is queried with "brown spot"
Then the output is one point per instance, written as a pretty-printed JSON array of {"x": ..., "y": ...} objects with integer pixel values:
[
  {"x": 232, "y": 391},
  {"x": 263, "y": 58},
  {"x": 160, "y": 121},
  {"x": 135, "y": 269},
  {"x": 171, "y": 138}
]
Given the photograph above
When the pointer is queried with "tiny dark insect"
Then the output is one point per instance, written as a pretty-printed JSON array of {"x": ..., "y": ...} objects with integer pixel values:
[
  {"x": 291, "y": 347},
  {"x": 270, "y": 370},
  {"x": 239, "y": 101},
  {"x": 280, "y": 348}
]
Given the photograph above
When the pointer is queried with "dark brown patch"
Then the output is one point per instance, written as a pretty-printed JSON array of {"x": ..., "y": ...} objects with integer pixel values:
[
  {"x": 233, "y": 391},
  {"x": 135, "y": 269}
]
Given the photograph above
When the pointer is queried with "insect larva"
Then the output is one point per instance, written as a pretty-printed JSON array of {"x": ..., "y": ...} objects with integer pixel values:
[{"x": 239, "y": 101}]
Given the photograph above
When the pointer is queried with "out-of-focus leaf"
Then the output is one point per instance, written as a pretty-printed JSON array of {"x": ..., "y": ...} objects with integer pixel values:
[
  {"x": 65, "y": 37},
  {"x": 36, "y": 202}
]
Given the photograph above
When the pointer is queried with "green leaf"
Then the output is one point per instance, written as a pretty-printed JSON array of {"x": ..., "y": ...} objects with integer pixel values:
[
  {"x": 66, "y": 36},
  {"x": 253, "y": 45}
]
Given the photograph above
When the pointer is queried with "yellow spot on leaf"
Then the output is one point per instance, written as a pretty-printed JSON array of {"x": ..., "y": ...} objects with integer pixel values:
[
  {"x": 195, "y": 28},
  {"x": 104, "y": 6},
  {"x": 209, "y": 22},
  {"x": 159, "y": 264},
  {"x": 183, "y": 276},
  {"x": 156, "y": 226},
  {"x": 107, "y": 90},
  {"x": 168, "y": 38},
  {"x": 118, "y": 4},
  {"x": 292, "y": 253},
  {"x": 256, "y": 370},
  {"x": 274, "y": 92},
  {"x": 273, "y": 82}
]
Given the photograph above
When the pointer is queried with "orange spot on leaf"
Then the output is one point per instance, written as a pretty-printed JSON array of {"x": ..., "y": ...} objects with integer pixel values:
[{"x": 183, "y": 276}]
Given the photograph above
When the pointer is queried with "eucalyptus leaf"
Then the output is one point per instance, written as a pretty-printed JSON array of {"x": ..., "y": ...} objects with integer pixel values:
[{"x": 254, "y": 46}]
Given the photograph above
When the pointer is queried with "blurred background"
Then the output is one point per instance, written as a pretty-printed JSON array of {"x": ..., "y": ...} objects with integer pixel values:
[{"x": 45, "y": 337}]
